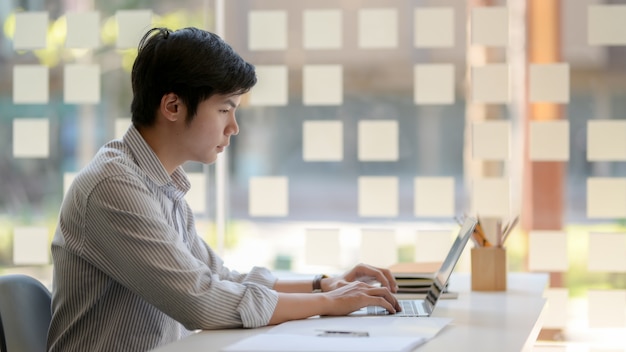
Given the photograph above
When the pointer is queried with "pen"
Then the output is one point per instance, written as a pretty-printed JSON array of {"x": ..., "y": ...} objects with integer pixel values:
[
  {"x": 499, "y": 233},
  {"x": 343, "y": 333}
]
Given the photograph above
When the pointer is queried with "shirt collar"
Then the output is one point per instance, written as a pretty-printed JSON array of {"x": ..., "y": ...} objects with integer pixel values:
[{"x": 150, "y": 163}]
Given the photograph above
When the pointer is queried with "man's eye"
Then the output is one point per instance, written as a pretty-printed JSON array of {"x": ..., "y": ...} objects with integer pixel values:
[{"x": 224, "y": 111}]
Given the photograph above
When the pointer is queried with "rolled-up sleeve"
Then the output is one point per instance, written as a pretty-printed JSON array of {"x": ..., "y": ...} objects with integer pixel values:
[{"x": 252, "y": 299}]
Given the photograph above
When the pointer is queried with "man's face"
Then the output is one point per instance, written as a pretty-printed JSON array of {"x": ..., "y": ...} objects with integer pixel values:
[{"x": 209, "y": 131}]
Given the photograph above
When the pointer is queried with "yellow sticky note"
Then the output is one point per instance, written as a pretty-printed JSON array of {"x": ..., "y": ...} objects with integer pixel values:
[
  {"x": 132, "y": 25},
  {"x": 267, "y": 30},
  {"x": 322, "y": 85},
  {"x": 322, "y": 140},
  {"x": 31, "y": 138},
  {"x": 490, "y": 84},
  {"x": 606, "y": 140},
  {"x": 549, "y": 140},
  {"x": 491, "y": 140},
  {"x": 490, "y": 26},
  {"x": 31, "y": 29},
  {"x": 491, "y": 197},
  {"x": 606, "y": 308},
  {"x": 378, "y": 247},
  {"x": 322, "y": 29},
  {"x": 605, "y": 24},
  {"x": 30, "y": 84},
  {"x": 322, "y": 247},
  {"x": 434, "y": 27},
  {"x": 378, "y": 140},
  {"x": 81, "y": 84},
  {"x": 556, "y": 311},
  {"x": 121, "y": 126},
  {"x": 606, "y": 197},
  {"x": 83, "y": 30},
  {"x": 606, "y": 252},
  {"x": 378, "y": 28},
  {"x": 196, "y": 197},
  {"x": 547, "y": 251},
  {"x": 268, "y": 196},
  {"x": 272, "y": 86},
  {"x": 433, "y": 84},
  {"x": 549, "y": 83},
  {"x": 68, "y": 178},
  {"x": 434, "y": 196},
  {"x": 31, "y": 246},
  {"x": 378, "y": 196},
  {"x": 432, "y": 245}
]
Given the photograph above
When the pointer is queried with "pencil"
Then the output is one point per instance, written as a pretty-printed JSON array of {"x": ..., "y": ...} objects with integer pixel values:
[
  {"x": 509, "y": 229},
  {"x": 480, "y": 236}
]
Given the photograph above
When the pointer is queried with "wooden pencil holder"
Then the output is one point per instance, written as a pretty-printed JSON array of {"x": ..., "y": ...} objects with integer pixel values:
[{"x": 488, "y": 269}]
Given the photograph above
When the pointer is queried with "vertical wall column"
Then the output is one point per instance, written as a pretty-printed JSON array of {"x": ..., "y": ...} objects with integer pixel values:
[{"x": 543, "y": 181}]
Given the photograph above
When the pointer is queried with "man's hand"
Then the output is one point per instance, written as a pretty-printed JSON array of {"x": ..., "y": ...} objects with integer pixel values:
[
  {"x": 355, "y": 295},
  {"x": 364, "y": 273}
]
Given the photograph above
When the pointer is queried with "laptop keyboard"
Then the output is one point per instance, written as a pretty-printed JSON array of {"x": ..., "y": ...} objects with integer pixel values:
[{"x": 409, "y": 309}]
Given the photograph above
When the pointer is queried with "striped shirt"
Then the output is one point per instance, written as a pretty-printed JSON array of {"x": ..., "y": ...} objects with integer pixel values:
[{"x": 130, "y": 272}]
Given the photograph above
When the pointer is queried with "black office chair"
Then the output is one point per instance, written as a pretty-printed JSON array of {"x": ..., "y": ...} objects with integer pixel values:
[{"x": 24, "y": 314}]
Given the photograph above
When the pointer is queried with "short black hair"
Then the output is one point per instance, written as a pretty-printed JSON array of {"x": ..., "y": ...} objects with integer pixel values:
[{"x": 191, "y": 63}]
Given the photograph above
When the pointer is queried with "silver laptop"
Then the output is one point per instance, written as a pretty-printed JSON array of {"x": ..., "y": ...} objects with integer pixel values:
[{"x": 424, "y": 307}]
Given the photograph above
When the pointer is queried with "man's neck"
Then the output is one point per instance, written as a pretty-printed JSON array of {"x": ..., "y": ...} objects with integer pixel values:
[{"x": 159, "y": 142}]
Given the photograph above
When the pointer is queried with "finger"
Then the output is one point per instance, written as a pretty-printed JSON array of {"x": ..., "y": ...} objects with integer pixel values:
[
  {"x": 380, "y": 301},
  {"x": 385, "y": 278},
  {"x": 393, "y": 285},
  {"x": 386, "y": 295}
]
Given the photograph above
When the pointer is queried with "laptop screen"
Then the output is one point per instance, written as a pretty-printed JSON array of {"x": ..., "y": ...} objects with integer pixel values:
[{"x": 443, "y": 274}]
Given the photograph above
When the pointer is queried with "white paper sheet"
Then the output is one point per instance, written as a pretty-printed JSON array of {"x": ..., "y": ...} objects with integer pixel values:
[
  {"x": 381, "y": 326},
  {"x": 386, "y": 334},
  {"x": 296, "y": 343}
]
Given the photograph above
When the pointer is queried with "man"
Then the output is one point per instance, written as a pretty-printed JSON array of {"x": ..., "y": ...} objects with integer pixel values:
[{"x": 130, "y": 272}]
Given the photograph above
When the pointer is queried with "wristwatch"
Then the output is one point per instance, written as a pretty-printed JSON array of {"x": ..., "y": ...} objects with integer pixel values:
[{"x": 317, "y": 282}]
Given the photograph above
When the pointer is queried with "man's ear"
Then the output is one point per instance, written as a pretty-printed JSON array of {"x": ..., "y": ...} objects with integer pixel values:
[{"x": 171, "y": 106}]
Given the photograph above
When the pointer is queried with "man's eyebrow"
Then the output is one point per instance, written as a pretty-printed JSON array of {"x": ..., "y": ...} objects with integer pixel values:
[{"x": 231, "y": 103}]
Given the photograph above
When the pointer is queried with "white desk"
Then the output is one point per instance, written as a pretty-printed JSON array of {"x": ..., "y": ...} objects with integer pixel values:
[{"x": 482, "y": 321}]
